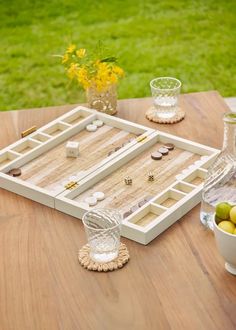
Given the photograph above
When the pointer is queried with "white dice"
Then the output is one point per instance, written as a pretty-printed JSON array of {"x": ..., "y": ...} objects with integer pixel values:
[{"x": 72, "y": 149}]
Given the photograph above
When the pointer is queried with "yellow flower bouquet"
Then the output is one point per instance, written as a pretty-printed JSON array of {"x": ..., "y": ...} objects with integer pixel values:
[{"x": 97, "y": 74}]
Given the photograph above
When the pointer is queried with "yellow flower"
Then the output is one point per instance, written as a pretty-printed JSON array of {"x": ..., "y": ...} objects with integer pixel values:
[
  {"x": 117, "y": 70},
  {"x": 113, "y": 78},
  {"x": 81, "y": 52},
  {"x": 83, "y": 78},
  {"x": 71, "y": 48},
  {"x": 65, "y": 59},
  {"x": 73, "y": 70}
]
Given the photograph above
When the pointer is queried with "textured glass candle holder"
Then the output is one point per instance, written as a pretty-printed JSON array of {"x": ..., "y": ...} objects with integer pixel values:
[
  {"x": 165, "y": 92},
  {"x": 103, "y": 101},
  {"x": 103, "y": 228}
]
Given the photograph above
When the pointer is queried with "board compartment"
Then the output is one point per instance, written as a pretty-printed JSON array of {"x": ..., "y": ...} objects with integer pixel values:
[
  {"x": 169, "y": 198},
  {"x": 197, "y": 177},
  {"x": 41, "y": 137},
  {"x": 56, "y": 129},
  {"x": 26, "y": 146},
  {"x": 7, "y": 157},
  {"x": 147, "y": 215}
]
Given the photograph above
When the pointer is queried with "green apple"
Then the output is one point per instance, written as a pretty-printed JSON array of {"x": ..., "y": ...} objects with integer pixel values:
[
  {"x": 232, "y": 214},
  {"x": 222, "y": 210},
  {"x": 227, "y": 226}
]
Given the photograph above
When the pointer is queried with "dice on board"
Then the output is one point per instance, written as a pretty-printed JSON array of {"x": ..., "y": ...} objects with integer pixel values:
[{"x": 72, "y": 149}]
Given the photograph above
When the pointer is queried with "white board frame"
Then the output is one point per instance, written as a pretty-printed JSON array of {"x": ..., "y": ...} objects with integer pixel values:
[
  {"x": 48, "y": 141},
  {"x": 65, "y": 203}
]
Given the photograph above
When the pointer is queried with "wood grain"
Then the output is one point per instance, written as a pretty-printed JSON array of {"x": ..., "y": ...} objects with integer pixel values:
[
  {"x": 178, "y": 281},
  {"x": 121, "y": 196},
  {"x": 52, "y": 169}
]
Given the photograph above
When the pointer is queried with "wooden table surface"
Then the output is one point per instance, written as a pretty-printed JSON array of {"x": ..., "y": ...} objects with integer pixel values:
[{"x": 178, "y": 281}]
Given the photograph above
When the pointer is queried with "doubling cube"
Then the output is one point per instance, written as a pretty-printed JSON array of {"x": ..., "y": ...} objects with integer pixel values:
[{"x": 72, "y": 149}]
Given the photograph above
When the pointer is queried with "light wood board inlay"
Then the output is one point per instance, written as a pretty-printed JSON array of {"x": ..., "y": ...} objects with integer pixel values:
[
  {"x": 25, "y": 150},
  {"x": 5, "y": 162},
  {"x": 56, "y": 132},
  {"x": 74, "y": 121},
  {"x": 123, "y": 197},
  {"x": 53, "y": 169},
  {"x": 197, "y": 181},
  {"x": 148, "y": 218},
  {"x": 169, "y": 202}
]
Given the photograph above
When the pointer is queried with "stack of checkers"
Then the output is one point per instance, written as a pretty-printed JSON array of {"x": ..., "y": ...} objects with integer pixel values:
[
  {"x": 14, "y": 172},
  {"x": 137, "y": 206},
  {"x": 94, "y": 126},
  {"x": 119, "y": 147},
  {"x": 163, "y": 151}
]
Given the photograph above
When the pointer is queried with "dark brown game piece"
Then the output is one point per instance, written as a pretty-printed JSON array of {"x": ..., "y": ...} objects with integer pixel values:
[
  {"x": 142, "y": 202},
  {"x": 110, "y": 152},
  {"x": 169, "y": 146},
  {"x": 15, "y": 172},
  {"x": 164, "y": 151},
  {"x": 117, "y": 148},
  {"x": 126, "y": 214},
  {"x": 156, "y": 155}
]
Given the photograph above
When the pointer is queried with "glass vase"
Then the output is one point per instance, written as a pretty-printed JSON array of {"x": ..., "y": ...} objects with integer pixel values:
[
  {"x": 103, "y": 101},
  {"x": 220, "y": 183}
]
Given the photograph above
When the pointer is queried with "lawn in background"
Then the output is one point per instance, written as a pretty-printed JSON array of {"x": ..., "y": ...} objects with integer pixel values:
[{"x": 190, "y": 40}]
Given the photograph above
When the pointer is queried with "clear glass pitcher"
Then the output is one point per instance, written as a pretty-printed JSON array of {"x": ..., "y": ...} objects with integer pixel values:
[{"x": 220, "y": 183}]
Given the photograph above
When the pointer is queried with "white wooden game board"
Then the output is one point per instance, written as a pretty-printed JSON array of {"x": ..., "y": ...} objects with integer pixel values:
[{"x": 117, "y": 149}]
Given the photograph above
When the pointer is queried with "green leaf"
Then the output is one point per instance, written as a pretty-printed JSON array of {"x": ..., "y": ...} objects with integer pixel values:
[{"x": 109, "y": 59}]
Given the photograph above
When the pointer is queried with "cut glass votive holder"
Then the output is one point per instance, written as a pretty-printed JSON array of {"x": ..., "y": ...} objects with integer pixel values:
[
  {"x": 103, "y": 228},
  {"x": 165, "y": 93}
]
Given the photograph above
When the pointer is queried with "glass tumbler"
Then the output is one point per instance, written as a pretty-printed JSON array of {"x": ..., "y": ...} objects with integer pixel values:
[
  {"x": 165, "y": 91},
  {"x": 103, "y": 228}
]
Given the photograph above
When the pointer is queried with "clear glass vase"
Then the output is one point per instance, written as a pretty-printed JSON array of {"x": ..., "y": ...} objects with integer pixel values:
[
  {"x": 220, "y": 184},
  {"x": 103, "y": 101}
]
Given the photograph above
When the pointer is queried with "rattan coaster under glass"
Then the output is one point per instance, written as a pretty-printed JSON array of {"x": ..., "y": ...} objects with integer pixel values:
[
  {"x": 88, "y": 263},
  {"x": 151, "y": 115}
]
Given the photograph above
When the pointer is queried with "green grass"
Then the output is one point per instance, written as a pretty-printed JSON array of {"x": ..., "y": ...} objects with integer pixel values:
[{"x": 190, "y": 40}]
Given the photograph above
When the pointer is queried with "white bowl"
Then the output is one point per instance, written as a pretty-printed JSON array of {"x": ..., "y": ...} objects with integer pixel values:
[{"x": 226, "y": 244}]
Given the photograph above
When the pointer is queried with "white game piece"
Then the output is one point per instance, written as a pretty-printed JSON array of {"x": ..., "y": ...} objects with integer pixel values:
[
  {"x": 72, "y": 149},
  {"x": 99, "y": 195},
  {"x": 91, "y": 201},
  {"x": 98, "y": 123},
  {"x": 91, "y": 128}
]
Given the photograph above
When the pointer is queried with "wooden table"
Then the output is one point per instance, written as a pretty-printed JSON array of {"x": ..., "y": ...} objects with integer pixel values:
[{"x": 178, "y": 281}]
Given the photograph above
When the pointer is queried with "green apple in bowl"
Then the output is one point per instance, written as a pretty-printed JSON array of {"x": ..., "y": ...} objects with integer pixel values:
[{"x": 225, "y": 235}]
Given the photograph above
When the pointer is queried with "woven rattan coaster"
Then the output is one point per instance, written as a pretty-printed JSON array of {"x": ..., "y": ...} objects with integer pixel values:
[
  {"x": 151, "y": 115},
  {"x": 88, "y": 263}
]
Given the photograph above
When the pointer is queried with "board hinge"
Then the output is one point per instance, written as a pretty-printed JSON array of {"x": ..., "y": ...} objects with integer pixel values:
[
  {"x": 28, "y": 131},
  {"x": 71, "y": 185},
  {"x": 141, "y": 138}
]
